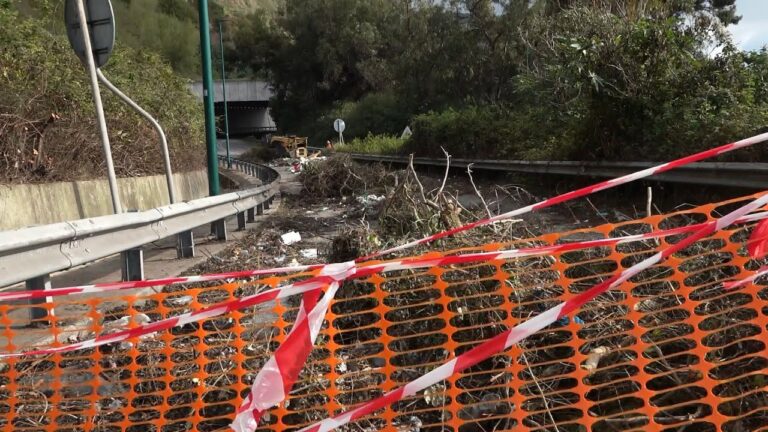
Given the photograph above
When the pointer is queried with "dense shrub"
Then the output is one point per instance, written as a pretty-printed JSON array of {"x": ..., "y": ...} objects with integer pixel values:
[
  {"x": 48, "y": 128},
  {"x": 376, "y": 113},
  {"x": 375, "y": 144}
]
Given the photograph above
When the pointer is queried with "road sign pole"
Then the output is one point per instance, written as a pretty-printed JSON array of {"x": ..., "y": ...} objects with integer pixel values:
[
  {"x": 210, "y": 126},
  {"x": 224, "y": 94},
  {"x": 91, "y": 64},
  {"x": 158, "y": 128}
]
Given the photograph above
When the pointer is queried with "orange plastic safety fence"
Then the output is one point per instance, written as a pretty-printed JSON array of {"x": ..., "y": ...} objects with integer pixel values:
[{"x": 669, "y": 351}]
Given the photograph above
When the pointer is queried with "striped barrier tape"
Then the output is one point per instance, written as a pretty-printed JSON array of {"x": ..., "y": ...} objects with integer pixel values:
[
  {"x": 484, "y": 256},
  {"x": 518, "y": 333},
  {"x": 250, "y": 411},
  {"x": 328, "y": 275},
  {"x": 579, "y": 193},
  {"x": 120, "y": 286}
]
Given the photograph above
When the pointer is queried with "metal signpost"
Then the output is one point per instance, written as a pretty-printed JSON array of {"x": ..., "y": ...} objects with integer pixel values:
[
  {"x": 94, "y": 50},
  {"x": 224, "y": 93},
  {"x": 91, "y": 32},
  {"x": 155, "y": 124},
  {"x": 339, "y": 126},
  {"x": 210, "y": 124}
]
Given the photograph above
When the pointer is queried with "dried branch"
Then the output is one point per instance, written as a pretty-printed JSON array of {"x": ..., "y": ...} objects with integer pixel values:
[
  {"x": 447, "y": 168},
  {"x": 477, "y": 192}
]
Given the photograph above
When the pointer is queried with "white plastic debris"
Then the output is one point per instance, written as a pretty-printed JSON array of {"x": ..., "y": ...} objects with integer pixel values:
[
  {"x": 593, "y": 359},
  {"x": 290, "y": 238},
  {"x": 369, "y": 200},
  {"x": 279, "y": 258},
  {"x": 309, "y": 253}
]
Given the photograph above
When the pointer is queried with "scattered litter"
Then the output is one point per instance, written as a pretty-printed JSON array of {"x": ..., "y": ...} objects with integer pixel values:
[
  {"x": 435, "y": 395},
  {"x": 309, "y": 253},
  {"x": 279, "y": 258},
  {"x": 291, "y": 237},
  {"x": 594, "y": 358},
  {"x": 369, "y": 200}
]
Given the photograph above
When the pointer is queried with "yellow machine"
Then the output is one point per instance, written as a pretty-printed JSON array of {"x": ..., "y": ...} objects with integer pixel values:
[{"x": 296, "y": 147}]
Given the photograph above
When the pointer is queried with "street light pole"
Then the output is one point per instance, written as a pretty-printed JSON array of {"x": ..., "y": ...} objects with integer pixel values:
[
  {"x": 91, "y": 65},
  {"x": 210, "y": 125},
  {"x": 224, "y": 92}
]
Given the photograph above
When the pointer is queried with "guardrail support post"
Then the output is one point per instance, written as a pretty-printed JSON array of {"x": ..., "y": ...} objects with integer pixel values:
[
  {"x": 219, "y": 229},
  {"x": 259, "y": 209},
  {"x": 251, "y": 216},
  {"x": 185, "y": 245},
  {"x": 241, "y": 221},
  {"x": 132, "y": 264},
  {"x": 38, "y": 314}
]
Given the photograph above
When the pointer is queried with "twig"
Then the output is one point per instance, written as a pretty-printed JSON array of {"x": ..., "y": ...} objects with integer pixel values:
[
  {"x": 649, "y": 202},
  {"x": 479, "y": 195},
  {"x": 541, "y": 392},
  {"x": 421, "y": 186},
  {"x": 447, "y": 168},
  {"x": 597, "y": 211}
]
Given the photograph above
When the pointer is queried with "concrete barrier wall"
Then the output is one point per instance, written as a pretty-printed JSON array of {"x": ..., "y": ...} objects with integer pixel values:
[{"x": 42, "y": 204}]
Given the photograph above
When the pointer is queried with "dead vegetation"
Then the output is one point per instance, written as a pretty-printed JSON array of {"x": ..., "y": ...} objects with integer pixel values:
[{"x": 399, "y": 206}]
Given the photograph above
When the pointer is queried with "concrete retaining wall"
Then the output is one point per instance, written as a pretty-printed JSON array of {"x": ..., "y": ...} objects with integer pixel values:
[{"x": 42, "y": 204}]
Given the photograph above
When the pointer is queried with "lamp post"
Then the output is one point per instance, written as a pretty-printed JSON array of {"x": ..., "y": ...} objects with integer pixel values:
[
  {"x": 210, "y": 124},
  {"x": 224, "y": 91}
]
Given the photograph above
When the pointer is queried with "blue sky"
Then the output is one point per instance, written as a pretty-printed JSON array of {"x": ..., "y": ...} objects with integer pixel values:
[{"x": 752, "y": 31}]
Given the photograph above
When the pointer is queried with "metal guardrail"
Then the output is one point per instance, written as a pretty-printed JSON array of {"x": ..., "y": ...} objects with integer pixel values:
[
  {"x": 735, "y": 174},
  {"x": 34, "y": 252}
]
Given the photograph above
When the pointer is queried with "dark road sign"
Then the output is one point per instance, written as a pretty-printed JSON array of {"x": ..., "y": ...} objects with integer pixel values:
[{"x": 101, "y": 25}]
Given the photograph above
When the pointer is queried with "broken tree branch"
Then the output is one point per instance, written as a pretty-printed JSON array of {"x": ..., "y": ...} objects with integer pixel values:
[
  {"x": 447, "y": 168},
  {"x": 477, "y": 192}
]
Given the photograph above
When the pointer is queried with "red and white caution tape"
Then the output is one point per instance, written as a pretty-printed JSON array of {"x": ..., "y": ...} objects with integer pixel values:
[
  {"x": 729, "y": 286},
  {"x": 579, "y": 193},
  {"x": 300, "y": 287},
  {"x": 119, "y": 286},
  {"x": 520, "y": 332},
  {"x": 275, "y": 380},
  {"x": 388, "y": 266},
  {"x": 339, "y": 272}
]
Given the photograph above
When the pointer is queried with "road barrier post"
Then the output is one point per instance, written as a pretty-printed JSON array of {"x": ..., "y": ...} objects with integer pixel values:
[
  {"x": 132, "y": 264},
  {"x": 37, "y": 315},
  {"x": 219, "y": 229},
  {"x": 185, "y": 245}
]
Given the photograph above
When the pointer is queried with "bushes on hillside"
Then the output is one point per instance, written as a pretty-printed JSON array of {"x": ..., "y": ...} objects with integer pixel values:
[{"x": 48, "y": 128}]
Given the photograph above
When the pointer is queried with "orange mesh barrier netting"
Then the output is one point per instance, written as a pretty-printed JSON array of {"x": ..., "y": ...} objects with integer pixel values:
[{"x": 670, "y": 351}]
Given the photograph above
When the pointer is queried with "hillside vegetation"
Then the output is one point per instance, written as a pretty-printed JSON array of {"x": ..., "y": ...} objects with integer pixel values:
[
  {"x": 518, "y": 79},
  {"x": 48, "y": 126}
]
